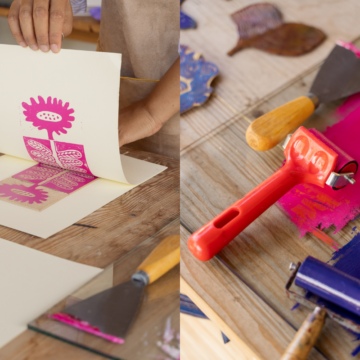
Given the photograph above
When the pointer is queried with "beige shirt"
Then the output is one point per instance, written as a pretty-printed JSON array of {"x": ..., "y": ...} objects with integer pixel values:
[{"x": 146, "y": 33}]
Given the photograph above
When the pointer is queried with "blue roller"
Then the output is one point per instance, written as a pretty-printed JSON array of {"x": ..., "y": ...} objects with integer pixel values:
[{"x": 329, "y": 284}]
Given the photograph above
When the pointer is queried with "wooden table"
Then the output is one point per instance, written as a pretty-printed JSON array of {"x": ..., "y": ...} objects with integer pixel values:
[
  {"x": 108, "y": 234},
  {"x": 85, "y": 28},
  {"x": 242, "y": 289}
]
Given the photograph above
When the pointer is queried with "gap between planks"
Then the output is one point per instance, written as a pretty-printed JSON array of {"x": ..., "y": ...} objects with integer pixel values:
[{"x": 242, "y": 115}]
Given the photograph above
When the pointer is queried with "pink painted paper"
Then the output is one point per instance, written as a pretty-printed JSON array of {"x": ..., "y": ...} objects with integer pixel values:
[
  {"x": 38, "y": 173},
  {"x": 40, "y": 150},
  {"x": 23, "y": 193},
  {"x": 72, "y": 157},
  {"x": 52, "y": 115},
  {"x": 69, "y": 182},
  {"x": 309, "y": 206}
]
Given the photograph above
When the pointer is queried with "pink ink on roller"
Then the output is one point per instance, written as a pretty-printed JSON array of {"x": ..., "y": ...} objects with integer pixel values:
[
  {"x": 84, "y": 326},
  {"x": 310, "y": 207}
]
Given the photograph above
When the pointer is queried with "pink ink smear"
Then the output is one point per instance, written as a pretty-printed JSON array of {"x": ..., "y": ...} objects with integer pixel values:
[
  {"x": 310, "y": 206},
  {"x": 84, "y": 326},
  {"x": 349, "y": 46}
]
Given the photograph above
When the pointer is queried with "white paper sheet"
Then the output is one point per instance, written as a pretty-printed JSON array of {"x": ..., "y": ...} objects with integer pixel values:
[
  {"x": 80, "y": 133},
  {"x": 63, "y": 213},
  {"x": 89, "y": 82},
  {"x": 31, "y": 283}
]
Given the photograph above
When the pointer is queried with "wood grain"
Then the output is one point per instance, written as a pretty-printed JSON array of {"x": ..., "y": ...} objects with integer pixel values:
[
  {"x": 100, "y": 239},
  {"x": 245, "y": 318},
  {"x": 201, "y": 340},
  {"x": 220, "y": 169},
  {"x": 250, "y": 75},
  {"x": 34, "y": 346},
  {"x": 115, "y": 229}
]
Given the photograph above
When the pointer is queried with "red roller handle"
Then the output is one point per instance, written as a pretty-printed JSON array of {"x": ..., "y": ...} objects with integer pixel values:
[
  {"x": 308, "y": 160},
  {"x": 217, "y": 233}
]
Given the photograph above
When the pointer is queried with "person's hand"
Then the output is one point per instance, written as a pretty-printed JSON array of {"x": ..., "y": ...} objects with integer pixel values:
[
  {"x": 146, "y": 117},
  {"x": 136, "y": 122},
  {"x": 40, "y": 24}
]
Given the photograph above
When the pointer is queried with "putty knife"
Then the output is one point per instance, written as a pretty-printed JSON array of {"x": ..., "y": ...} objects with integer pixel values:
[
  {"x": 337, "y": 78},
  {"x": 111, "y": 313}
]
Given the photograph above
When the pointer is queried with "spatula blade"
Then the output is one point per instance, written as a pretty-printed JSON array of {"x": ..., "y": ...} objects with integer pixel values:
[
  {"x": 112, "y": 311},
  {"x": 338, "y": 77}
]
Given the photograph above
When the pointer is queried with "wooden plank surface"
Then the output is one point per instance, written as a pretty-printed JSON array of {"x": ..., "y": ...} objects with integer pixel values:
[
  {"x": 115, "y": 229},
  {"x": 218, "y": 170},
  {"x": 99, "y": 240},
  {"x": 34, "y": 346},
  {"x": 201, "y": 340},
  {"x": 250, "y": 75}
]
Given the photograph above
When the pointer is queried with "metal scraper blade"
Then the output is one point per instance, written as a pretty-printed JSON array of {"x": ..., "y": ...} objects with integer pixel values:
[
  {"x": 112, "y": 311},
  {"x": 338, "y": 77}
]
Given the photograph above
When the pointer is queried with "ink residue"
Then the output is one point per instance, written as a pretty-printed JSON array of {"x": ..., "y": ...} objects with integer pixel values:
[
  {"x": 347, "y": 260},
  {"x": 310, "y": 206}
]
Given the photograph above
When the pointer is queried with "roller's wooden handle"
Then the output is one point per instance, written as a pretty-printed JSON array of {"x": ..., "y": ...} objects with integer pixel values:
[
  {"x": 163, "y": 258},
  {"x": 306, "y": 336},
  {"x": 268, "y": 130}
]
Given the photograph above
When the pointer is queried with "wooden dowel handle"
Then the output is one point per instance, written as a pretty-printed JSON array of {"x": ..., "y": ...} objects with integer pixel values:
[
  {"x": 306, "y": 336},
  {"x": 163, "y": 258},
  {"x": 268, "y": 130}
]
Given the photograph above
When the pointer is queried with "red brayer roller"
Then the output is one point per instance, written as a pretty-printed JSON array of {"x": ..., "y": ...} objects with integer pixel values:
[{"x": 310, "y": 158}]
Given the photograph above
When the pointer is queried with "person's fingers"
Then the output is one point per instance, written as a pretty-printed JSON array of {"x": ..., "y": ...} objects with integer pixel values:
[
  {"x": 41, "y": 23},
  {"x": 26, "y": 23},
  {"x": 14, "y": 23},
  {"x": 57, "y": 20},
  {"x": 67, "y": 29}
]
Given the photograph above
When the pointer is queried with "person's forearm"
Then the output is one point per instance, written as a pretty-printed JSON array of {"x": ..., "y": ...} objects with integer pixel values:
[{"x": 164, "y": 100}]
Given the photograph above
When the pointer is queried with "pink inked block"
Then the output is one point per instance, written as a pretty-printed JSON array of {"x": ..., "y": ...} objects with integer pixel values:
[
  {"x": 69, "y": 182},
  {"x": 40, "y": 150},
  {"x": 72, "y": 157},
  {"x": 84, "y": 326},
  {"x": 38, "y": 173}
]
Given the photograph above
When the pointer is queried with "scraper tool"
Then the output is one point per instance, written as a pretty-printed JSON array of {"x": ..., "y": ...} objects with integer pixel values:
[
  {"x": 337, "y": 78},
  {"x": 111, "y": 313}
]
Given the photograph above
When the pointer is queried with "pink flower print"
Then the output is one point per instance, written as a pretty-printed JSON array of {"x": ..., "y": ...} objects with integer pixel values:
[
  {"x": 69, "y": 182},
  {"x": 23, "y": 193},
  {"x": 72, "y": 157},
  {"x": 38, "y": 173},
  {"x": 51, "y": 116},
  {"x": 40, "y": 150}
]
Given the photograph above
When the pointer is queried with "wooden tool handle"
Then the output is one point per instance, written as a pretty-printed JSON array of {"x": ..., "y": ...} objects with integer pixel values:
[
  {"x": 306, "y": 336},
  {"x": 268, "y": 130},
  {"x": 163, "y": 258}
]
